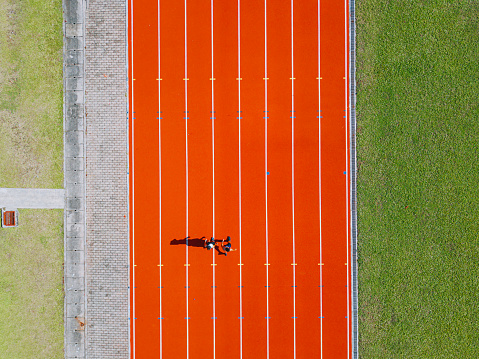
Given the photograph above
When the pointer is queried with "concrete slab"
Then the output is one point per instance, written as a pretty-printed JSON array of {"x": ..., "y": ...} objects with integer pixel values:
[
  {"x": 74, "y": 177},
  {"x": 75, "y": 310},
  {"x": 75, "y": 230},
  {"x": 73, "y": 43},
  {"x": 75, "y": 324},
  {"x": 73, "y": 70},
  {"x": 74, "y": 97},
  {"x": 78, "y": 336},
  {"x": 73, "y": 11},
  {"x": 75, "y": 244},
  {"x": 74, "y": 217},
  {"x": 74, "y": 283},
  {"x": 74, "y": 83},
  {"x": 74, "y": 110},
  {"x": 72, "y": 30},
  {"x": 75, "y": 270},
  {"x": 32, "y": 198},
  {"x": 75, "y": 190},
  {"x": 74, "y": 137},
  {"x": 72, "y": 150},
  {"x": 75, "y": 256},
  {"x": 74, "y": 203},
  {"x": 74, "y": 124},
  {"x": 75, "y": 296},
  {"x": 73, "y": 164},
  {"x": 73, "y": 57},
  {"x": 74, "y": 349}
]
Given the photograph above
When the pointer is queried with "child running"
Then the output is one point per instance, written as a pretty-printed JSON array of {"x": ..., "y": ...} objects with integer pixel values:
[
  {"x": 210, "y": 244},
  {"x": 226, "y": 246}
]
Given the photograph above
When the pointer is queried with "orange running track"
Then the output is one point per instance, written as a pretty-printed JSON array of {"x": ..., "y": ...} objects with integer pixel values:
[{"x": 239, "y": 127}]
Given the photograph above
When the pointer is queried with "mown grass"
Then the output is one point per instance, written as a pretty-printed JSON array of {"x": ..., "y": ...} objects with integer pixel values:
[
  {"x": 31, "y": 286},
  {"x": 418, "y": 202},
  {"x": 31, "y": 100},
  {"x": 31, "y": 155}
]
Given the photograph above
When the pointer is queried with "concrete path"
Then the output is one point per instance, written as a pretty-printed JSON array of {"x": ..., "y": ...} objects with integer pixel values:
[{"x": 32, "y": 198}]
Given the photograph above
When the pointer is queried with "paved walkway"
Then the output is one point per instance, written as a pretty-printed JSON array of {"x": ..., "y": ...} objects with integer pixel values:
[
  {"x": 32, "y": 198},
  {"x": 106, "y": 151},
  {"x": 96, "y": 179}
]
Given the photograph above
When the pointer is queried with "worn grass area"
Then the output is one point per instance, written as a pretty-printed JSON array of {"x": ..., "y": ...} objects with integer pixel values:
[
  {"x": 31, "y": 155},
  {"x": 418, "y": 202},
  {"x": 31, "y": 286},
  {"x": 31, "y": 100}
]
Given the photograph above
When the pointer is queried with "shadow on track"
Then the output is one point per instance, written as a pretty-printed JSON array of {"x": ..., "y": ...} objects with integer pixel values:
[{"x": 190, "y": 242}]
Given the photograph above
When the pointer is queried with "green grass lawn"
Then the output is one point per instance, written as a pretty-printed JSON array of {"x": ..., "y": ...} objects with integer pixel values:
[
  {"x": 418, "y": 196},
  {"x": 31, "y": 286},
  {"x": 31, "y": 94},
  {"x": 31, "y": 155}
]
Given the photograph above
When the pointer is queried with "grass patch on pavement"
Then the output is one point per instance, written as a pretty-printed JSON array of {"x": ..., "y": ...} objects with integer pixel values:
[
  {"x": 418, "y": 203},
  {"x": 31, "y": 156}
]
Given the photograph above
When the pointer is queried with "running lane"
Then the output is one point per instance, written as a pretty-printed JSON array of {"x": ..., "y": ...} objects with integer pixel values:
[
  {"x": 279, "y": 177},
  {"x": 306, "y": 171},
  {"x": 145, "y": 209},
  {"x": 174, "y": 333},
  {"x": 334, "y": 169},
  {"x": 200, "y": 180},
  {"x": 225, "y": 92},
  {"x": 253, "y": 210}
]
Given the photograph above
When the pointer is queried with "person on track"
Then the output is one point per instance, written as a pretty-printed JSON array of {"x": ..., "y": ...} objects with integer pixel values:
[
  {"x": 210, "y": 244},
  {"x": 226, "y": 246}
]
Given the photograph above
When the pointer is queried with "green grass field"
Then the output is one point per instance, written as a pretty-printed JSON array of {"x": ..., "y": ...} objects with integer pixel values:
[
  {"x": 418, "y": 197},
  {"x": 31, "y": 155},
  {"x": 31, "y": 93},
  {"x": 31, "y": 286}
]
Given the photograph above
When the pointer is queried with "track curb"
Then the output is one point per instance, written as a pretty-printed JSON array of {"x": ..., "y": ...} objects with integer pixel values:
[{"x": 74, "y": 179}]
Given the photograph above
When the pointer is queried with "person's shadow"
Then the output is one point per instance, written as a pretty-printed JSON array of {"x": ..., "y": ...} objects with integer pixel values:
[{"x": 190, "y": 242}]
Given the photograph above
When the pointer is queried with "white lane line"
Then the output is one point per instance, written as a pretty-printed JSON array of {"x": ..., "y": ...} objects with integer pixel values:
[
  {"x": 320, "y": 183},
  {"x": 292, "y": 177},
  {"x": 159, "y": 169},
  {"x": 239, "y": 184},
  {"x": 132, "y": 114},
  {"x": 347, "y": 160},
  {"x": 214, "y": 304},
  {"x": 213, "y": 156},
  {"x": 213, "y": 116},
  {"x": 266, "y": 169},
  {"x": 186, "y": 140}
]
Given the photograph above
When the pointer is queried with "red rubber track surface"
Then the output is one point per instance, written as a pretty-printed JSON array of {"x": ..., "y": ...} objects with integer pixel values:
[{"x": 239, "y": 127}]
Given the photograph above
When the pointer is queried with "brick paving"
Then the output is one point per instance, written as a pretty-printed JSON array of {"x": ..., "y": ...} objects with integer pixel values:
[{"x": 106, "y": 141}]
